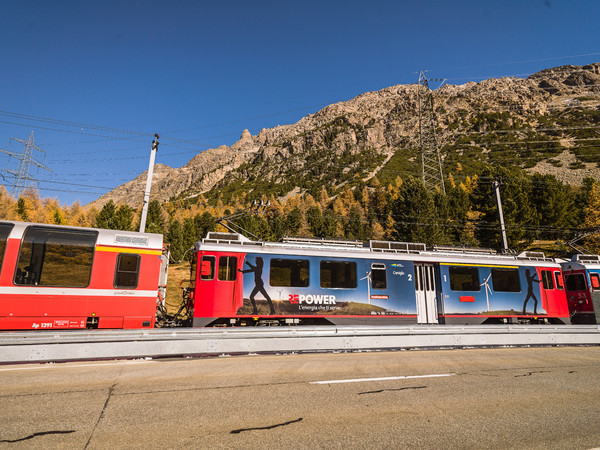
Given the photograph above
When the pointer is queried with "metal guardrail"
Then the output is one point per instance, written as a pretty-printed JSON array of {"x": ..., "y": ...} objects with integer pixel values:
[{"x": 54, "y": 346}]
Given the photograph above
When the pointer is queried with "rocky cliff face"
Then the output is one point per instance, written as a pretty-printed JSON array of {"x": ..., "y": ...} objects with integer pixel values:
[{"x": 358, "y": 137}]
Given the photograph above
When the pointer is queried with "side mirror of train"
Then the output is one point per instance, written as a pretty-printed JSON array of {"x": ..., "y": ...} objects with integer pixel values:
[{"x": 205, "y": 269}]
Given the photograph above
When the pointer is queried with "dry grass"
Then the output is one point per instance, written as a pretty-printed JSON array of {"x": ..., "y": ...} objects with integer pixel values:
[{"x": 177, "y": 273}]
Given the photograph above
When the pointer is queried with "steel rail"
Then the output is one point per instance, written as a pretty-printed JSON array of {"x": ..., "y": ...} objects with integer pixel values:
[{"x": 56, "y": 346}]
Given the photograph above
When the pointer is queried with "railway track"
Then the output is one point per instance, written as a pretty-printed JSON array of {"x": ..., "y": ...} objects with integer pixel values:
[{"x": 57, "y": 346}]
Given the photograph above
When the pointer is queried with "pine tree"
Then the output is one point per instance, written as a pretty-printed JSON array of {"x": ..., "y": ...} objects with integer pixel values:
[
  {"x": 355, "y": 227},
  {"x": 330, "y": 224},
  {"x": 315, "y": 221},
  {"x": 21, "y": 209},
  {"x": 323, "y": 198},
  {"x": 520, "y": 216},
  {"x": 58, "y": 217},
  {"x": 105, "y": 218},
  {"x": 294, "y": 221},
  {"x": 554, "y": 203},
  {"x": 204, "y": 223},
  {"x": 123, "y": 219},
  {"x": 416, "y": 215},
  {"x": 456, "y": 216},
  {"x": 155, "y": 221},
  {"x": 592, "y": 219},
  {"x": 174, "y": 237}
]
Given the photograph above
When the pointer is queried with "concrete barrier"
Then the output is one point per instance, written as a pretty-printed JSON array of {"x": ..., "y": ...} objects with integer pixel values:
[{"x": 55, "y": 346}]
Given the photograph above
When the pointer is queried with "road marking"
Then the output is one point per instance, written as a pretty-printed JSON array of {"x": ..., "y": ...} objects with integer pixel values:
[
  {"x": 68, "y": 366},
  {"x": 365, "y": 380}
]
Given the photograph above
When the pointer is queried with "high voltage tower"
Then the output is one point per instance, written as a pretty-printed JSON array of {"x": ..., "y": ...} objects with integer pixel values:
[
  {"x": 433, "y": 178},
  {"x": 26, "y": 159}
]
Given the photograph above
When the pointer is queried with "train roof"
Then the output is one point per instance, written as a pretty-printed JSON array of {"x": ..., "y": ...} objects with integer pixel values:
[
  {"x": 117, "y": 238},
  {"x": 581, "y": 261},
  {"x": 370, "y": 249}
]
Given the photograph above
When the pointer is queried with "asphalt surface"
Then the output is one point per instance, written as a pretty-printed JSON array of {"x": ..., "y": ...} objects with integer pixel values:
[{"x": 479, "y": 398}]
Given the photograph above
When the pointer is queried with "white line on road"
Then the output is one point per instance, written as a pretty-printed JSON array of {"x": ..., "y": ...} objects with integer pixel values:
[{"x": 364, "y": 380}]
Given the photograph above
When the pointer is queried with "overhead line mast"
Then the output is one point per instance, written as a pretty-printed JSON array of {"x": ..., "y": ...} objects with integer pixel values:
[{"x": 431, "y": 161}]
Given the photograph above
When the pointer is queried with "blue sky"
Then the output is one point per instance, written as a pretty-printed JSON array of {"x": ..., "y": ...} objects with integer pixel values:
[{"x": 94, "y": 80}]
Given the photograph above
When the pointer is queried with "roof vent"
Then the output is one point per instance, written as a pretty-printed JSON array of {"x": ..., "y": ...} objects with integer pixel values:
[
  {"x": 397, "y": 247},
  {"x": 586, "y": 258},
  {"x": 131, "y": 240}
]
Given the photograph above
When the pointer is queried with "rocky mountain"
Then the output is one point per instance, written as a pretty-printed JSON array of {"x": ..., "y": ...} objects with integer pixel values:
[{"x": 546, "y": 123}]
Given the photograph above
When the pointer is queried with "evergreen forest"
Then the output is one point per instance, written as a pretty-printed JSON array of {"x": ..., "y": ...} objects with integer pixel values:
[{"x": 540, "y": 213}]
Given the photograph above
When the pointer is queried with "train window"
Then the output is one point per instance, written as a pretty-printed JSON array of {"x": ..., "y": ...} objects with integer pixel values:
[
  {"x": 547, "y": 280},
  {"x": 227, "y": 268},
  {"x": 289, "y": 272},
  {"x": 127, "y": 271},
  {"x": 576, "y": 282},
  {"x": 506, "y": 280},
  {"x": 207, "y": 268},
  {"x": 338, "y": 274},
  {"x": 55, "y": 257},
  {"x": 559, "y": 281},
  {"x": 595, "y": 280},
  {"x": 464, "y": 278},
  {"x": 378, "y": 276},
  {"x": 4, "y": 232}
]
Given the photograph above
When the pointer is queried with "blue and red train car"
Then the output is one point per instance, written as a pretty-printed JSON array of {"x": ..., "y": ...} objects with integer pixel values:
[
  {"x": 58, "y": 277},
  {"x": 240, "y": 282},
  {"x": 582, "y": 282}
]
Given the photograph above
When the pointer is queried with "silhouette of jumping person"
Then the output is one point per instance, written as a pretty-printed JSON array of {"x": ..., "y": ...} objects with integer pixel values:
[
  {"x": 530, "y": 280},
  {"x": 259, "y": 285}
]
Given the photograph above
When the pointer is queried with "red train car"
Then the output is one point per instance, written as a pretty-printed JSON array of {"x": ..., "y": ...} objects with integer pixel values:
[
  {"x": 582, "y": 275},
  {"x": 58, "y": 277}
]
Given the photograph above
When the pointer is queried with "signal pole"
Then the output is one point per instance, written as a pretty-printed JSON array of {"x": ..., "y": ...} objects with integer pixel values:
[
  {"x": 26, "y": 159},
  {"x": 496, "y": 185},
  {"x": 148, "y": 184}
]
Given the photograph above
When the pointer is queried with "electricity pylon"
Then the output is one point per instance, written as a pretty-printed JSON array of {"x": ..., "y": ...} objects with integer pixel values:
[
  {"x": 26, "y": 159},
  {"x": 433, "y": 178}
]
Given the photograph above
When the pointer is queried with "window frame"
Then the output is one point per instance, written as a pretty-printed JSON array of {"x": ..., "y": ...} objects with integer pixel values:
[
  {"x": 498, "y": 280},
  {"x": 136, "y": 271},
  {"x": 4, "y": 239},
  {"x": 301, "y": 264},
  {"x": 575, "y": 276},
  {"x": 229, "y": 270},
  {"x": 559, "y": 280},
  {"x": 351, "y": 265},
  {"x": 378, "y": 267},
  {"x": 472, "y": 269},
  {"x": 213, "y": 260},
  {"x": 547, "y": 279},
  {"x": 39, "y": 244}
]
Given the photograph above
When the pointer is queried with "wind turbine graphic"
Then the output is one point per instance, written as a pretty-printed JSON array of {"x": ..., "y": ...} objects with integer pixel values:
[
  {"x": 368, "y": 278},
  {"x": 488, "y": 290}
]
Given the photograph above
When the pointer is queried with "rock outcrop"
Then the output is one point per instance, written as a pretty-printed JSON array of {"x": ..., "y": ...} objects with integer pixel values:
[{"x": 375, "y": 124}]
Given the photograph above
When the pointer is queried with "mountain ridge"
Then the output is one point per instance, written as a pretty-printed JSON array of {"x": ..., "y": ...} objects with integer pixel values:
[{"x": 498, "y": 121}]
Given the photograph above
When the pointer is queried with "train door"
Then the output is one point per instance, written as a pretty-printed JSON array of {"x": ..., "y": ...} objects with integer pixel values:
[
  {"x": 217, "y": 290},
  {"x": 426, "y": 293}
]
